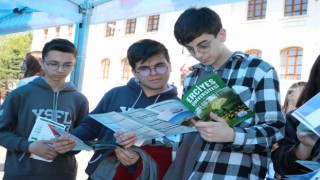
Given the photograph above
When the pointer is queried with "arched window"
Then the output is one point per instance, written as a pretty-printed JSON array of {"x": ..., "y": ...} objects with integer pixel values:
[
  {"x": 105, "y": 66},
  {"x": 295, "y": 7},
  {"x": 254, "y": 52},
  {"x": 256, "y": 9},
  {"x": 125, "y": 68},
  {"x": 291, "y": 61}
]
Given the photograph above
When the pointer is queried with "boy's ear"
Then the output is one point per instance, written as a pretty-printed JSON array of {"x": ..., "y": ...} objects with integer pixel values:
[{"x": 222, "y": 35}]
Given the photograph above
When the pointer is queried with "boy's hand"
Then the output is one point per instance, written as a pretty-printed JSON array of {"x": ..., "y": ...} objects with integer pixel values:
[
  {"x": 215, "y": 131},
  {"x": 307, "y": 137},
  {"x": 124, "y": 159},
  {"x": 63, "y": 144},
  {"x": 44, "y": 149},
  {"x": 126, "y": 140}
]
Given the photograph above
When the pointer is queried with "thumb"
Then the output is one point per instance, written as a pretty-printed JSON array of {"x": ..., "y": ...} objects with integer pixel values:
[
  {"x": 117, "y": 134},
  {"x": 216, "y": 118}
]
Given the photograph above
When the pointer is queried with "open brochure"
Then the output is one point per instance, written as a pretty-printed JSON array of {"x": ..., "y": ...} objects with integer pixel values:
[
  {"x": 309, "y": 165},
  {"x": 43, "y": 129},
  {"x": 311, "y": 169},
  {"x": 154, "y": 121},
  {"x": 315, "y": 175},
  {"x": 309, "y": 113},
  {"x": 213, "y": 95}
]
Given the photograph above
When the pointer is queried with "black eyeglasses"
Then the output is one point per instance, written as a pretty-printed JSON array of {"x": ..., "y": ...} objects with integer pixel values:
[
  {"x": 146, "y": 71},
  {"x": 53, "y": 66},
  {"x": 201, "y": 48}
]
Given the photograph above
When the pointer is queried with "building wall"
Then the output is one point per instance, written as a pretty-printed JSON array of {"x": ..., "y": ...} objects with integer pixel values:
[{"x": 270, "y": 35}]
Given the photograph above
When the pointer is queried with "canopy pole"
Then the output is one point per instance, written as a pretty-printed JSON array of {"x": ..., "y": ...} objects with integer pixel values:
[{"x": 81, "y": 40}]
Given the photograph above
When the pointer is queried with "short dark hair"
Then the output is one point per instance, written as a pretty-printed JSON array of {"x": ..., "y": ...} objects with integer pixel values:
[
  {"x": 142, "y": 50},
  {"x": 62, "y": 45},
  {"x": 193, "y": 22}
]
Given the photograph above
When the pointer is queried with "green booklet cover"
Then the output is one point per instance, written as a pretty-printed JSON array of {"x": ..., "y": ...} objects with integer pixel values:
[{"x": 213, "y": 95}]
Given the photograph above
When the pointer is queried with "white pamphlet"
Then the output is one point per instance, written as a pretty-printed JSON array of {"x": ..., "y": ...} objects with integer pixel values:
[{"x": 43, "y": 129}]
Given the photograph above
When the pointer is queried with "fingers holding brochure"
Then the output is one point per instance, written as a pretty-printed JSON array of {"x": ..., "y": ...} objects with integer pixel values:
[
  {"x": 127, "y": 140},
  {"x": 43, "y": 149},
  {"x": 63, "y": 144}
]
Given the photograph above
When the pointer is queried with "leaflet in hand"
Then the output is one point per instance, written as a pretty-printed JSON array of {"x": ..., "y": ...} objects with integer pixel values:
[
  {"x": 43, "y": 129},
  {"x": 213, "y": 95},
  {"x": 309, "y": 113},
  {"x": 89, "y": 145},
  {"x": 80, "y": 145},
  {"x": 155, "y": 121}
]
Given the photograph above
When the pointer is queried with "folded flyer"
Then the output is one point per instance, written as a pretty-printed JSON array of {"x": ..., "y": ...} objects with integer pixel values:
[{"x": 43, "y": 129}]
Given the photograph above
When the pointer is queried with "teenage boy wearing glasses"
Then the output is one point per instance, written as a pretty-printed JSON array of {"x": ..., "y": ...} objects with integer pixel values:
[
  {"x": 151, "y": 67},
  {"x": 50, "y": 97},
  {"x": 219, "y": 151}
]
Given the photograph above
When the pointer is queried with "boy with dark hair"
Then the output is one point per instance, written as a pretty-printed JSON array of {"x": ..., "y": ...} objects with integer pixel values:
[
  {"x": 50, "y": 97},
  {"x": 151, "y": 67},
  {"x": 219, "y": 151}
]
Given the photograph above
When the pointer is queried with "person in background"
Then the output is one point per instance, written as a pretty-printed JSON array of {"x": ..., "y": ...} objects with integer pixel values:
[
  {"x": 299, "y": 142},
  {"x": 32, "y": 67},
  {"x": 218, "y": 151},
  {"x": 36, "y": 54},
  {"x": 289, "y": 104},
  {"x": 184, "y": 70},
  {"x": 151, "y": 67},
  {"x": 292, "y": 96},
  {"x": 49, "y": 97},
  {"x": 3, "y": 95}
]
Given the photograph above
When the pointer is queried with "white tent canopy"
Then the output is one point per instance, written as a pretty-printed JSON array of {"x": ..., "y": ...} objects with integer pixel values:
[{"x": 23, "y": 15}]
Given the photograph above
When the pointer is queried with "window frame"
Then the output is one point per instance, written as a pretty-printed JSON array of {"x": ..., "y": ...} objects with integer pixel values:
[
  {"x": 110, "y": 29},
  {"x": 254, "y": 52},
  {"x": 153, "y": 23},
  {"x": 294, "y": 53},
  {"x": 125, "y": 69},
  {"x": 105, "y": 68},
  {"x": 131, "y": 26},
  {"x": 58, "y": 31},
  {"x": 70, "y": 30},
  {"x": 255, "y": 7},
  {"x": 289, "y": 9}
]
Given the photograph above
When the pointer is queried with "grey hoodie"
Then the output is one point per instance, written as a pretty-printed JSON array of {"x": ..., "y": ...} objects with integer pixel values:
[{"x": 17, "y": 117}]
